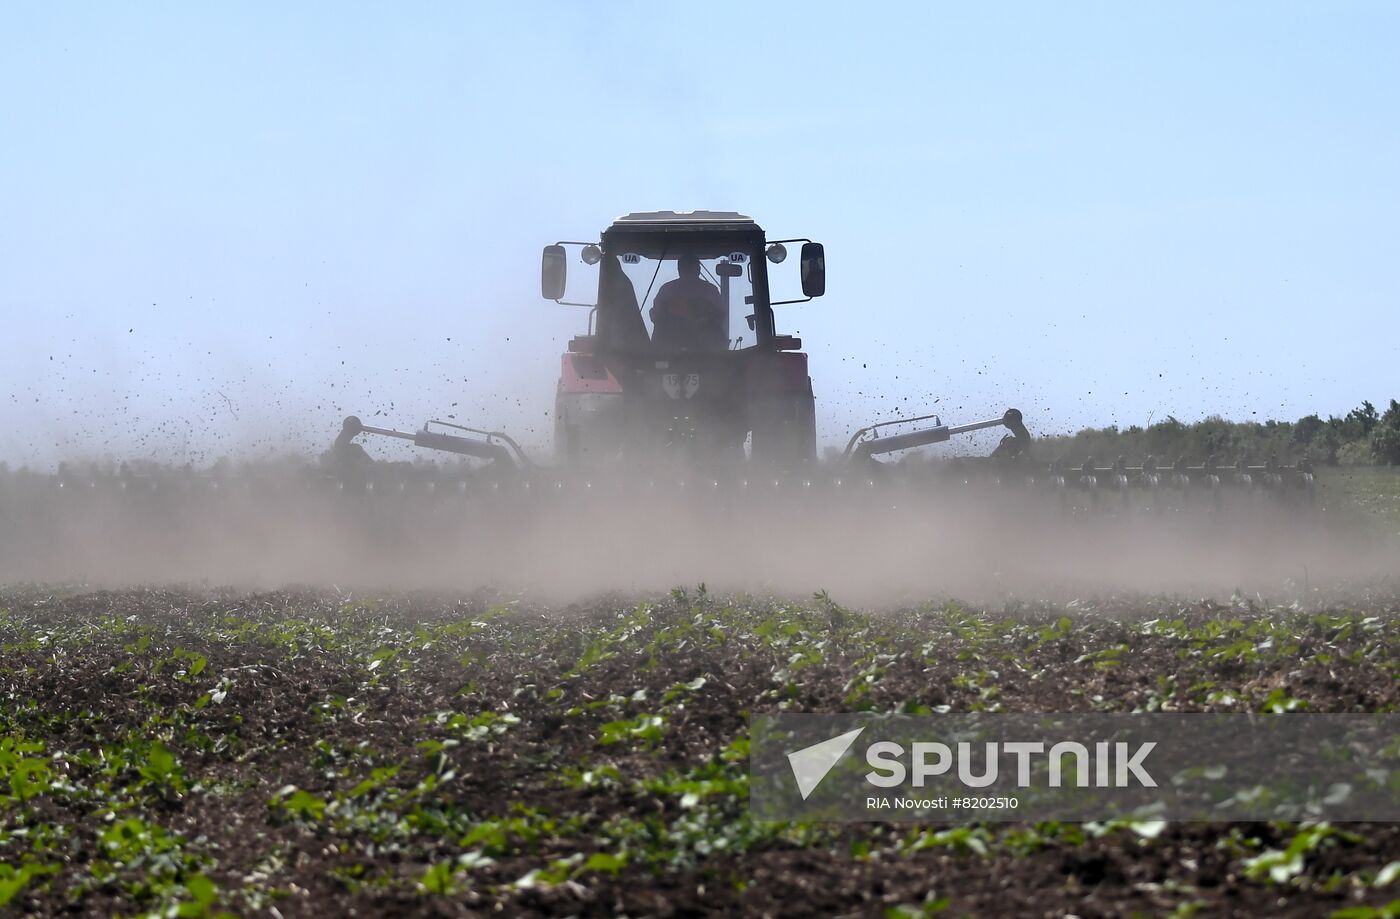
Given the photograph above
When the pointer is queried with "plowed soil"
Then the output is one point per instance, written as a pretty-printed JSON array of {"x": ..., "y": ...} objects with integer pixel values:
[{"x": 320, "y": 753}]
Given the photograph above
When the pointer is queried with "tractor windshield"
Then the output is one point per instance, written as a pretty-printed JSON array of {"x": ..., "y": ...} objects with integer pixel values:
[{"x": 691, "y": 297}]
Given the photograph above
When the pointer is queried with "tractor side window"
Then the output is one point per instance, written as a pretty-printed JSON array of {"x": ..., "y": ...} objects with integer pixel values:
[{"x": 619, "y": 316}]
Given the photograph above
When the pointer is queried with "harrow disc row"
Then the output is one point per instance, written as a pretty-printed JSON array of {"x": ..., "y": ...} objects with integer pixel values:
[
  {"x": 423, "y": 526},
  {"x": 1085, "y": 485}
]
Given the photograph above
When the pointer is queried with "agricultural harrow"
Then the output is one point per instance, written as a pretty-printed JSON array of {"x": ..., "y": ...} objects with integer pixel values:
[
  {"x": 681, "y": 391},
  {"x": 689, "y": 384}
]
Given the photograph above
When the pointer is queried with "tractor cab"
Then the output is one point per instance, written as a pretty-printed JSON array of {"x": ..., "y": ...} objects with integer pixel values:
[
  {"x": 681, "y": 353},
  {"x": 663, "y": 268}
]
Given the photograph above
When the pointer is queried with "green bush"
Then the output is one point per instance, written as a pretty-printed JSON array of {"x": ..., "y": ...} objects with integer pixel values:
[
  {"x": 1362, "y": 436},
  {"x": 1385, "y": 441}
]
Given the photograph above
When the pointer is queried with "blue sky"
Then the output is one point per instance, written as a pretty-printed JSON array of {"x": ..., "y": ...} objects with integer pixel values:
[{"x": 222, "y": 228}]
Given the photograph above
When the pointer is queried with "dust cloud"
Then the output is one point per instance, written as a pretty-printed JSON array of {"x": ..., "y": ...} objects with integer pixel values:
[{"x": 875, "y": 546}]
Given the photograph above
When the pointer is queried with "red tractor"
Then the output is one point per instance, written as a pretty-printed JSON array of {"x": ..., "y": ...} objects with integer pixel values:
[{"x": 682, "y": 362}]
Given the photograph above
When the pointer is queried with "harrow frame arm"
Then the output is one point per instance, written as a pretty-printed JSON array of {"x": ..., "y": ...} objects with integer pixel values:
[
  {"x": 506, "y": 452},
  {"x": 857, "y": 449}
]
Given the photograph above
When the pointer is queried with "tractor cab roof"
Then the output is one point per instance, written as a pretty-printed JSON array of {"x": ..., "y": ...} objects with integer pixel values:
[{"x": 691, "y": 222}]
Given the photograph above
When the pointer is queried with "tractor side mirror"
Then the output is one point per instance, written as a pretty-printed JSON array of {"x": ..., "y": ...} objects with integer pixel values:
[
  {"x": 813, "y": 270},
  {"x": 554, "y": 267}
]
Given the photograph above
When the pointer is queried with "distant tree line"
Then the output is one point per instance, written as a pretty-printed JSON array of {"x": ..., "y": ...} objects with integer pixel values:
[{"x": 1363, "y": 436}]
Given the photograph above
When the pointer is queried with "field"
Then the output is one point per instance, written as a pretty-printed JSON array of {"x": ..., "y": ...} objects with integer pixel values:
[
  {"x": 183, "y": 752},
  {"x": 1367, "y": 494}
]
